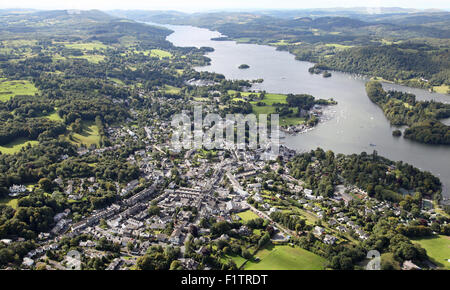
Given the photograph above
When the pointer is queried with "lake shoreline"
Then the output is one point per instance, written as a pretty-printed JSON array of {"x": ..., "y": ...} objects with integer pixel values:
[{"x": 357, "y": 125}]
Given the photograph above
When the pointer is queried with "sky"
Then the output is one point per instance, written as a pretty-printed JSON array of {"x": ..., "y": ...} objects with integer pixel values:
[{"x": 205, "y": 5}]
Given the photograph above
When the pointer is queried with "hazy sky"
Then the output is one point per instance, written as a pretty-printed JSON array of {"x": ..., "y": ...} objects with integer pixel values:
[{"x": 202, "y": 5}]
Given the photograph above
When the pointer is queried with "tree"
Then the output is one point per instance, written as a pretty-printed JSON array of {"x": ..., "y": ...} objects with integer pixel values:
[
  {"x": 264, "y": 240},
  {"x": 176, "y": 265},
  {"x": 130, "y": 246}
]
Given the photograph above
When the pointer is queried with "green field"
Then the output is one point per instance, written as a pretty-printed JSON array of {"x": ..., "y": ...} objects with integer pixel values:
[
  {"x": 171, "y": 90},
  {"x": 12, "y": 202},
  {"x": 54, "y": 117},
  {"x": 237, "y": 259},
  {"x": 443, "y": 89},
  {"x": 285, "y": 258},
  {"x": 200, "y": 99},
  {"x": 438, "y": 249},
  {"x": 247, "y": 215},
  {"x": 269, "y": 100},
  {"x": 160, "y": 53},
  {"x": 338, "y": 46},
  {"x": 9, "y": 89},
  {"x": 16, "y": 145},
  {"x": 89, "y": 136}
]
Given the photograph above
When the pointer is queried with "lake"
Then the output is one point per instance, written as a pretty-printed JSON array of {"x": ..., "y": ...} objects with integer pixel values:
[{"x": 356, "y": 125}]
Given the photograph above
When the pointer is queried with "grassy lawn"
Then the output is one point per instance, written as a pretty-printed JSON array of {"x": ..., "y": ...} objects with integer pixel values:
[
  {"x": 9, "y": 89},
  {"x": 160, "y": 53},
  {"x": 443, "y": 89},
  {"x": 284, "y": 121},
  {"x": 285, "y": 258},
  {"x": 12, "y": 202},
  {"x": 16, "y": 145},
  {"x": 89, "y": 136},
  {"x": 247, "y": 215},
  {"x": 171, "y": 90},
  {"x": 291, "y": 121},
  {"x": 200, "y": 99},
  {"x": 438, "y": 249},
  {"x": 269, "y": 100},
  {"x": 54, "y": 117}
]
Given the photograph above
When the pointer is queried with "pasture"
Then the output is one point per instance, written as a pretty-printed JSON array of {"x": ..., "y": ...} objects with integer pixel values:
[
  {"x": 89, "y": 136},
  {"x": 15, "y": 145},
  {"x": 9, "y": 201},
  {"x": 10, "y": 89},
  {"x": 247, "y": 215},
  {"x": 438, "y": 249},
  {"x": 159, "y": 53}
]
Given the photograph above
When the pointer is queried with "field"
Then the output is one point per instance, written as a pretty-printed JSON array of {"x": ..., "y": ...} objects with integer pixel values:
[
  {"x": 438, "y": 249},
  {"x": 16, "y": 145},
  {"x": 89, "y": 136},
  {"x": 285, "y": 258},
  {"x": 269, "y": 100},
  {"x": 54, "y": 117},
  {"x": 237, "y": 259},
  {"x": 247, "y": 215},
  {"x": 9, "y": 89},
  {"x": 12, "y": 202},
  {"x": 443, "y": 89},
  {"x": 171, "y": 90},
  {"x": 338, "y": 46}
]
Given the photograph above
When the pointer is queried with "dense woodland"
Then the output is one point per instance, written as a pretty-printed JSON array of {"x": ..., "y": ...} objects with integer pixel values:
[
  {"x": 405, "y": 61},
  {"x": 378, "y": 176}
]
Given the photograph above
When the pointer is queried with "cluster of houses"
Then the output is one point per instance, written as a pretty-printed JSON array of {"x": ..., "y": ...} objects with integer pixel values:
[{"x": 16, "y": 190}]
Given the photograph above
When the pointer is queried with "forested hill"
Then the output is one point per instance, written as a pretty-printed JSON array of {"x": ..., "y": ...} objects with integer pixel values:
[
  {"x": 91, "y": 25},
  {"x": 407, "y": 61},
  {"x": 253, "y": 24},
  {"x": 422, "y": 117}
]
